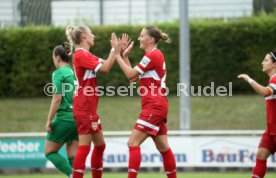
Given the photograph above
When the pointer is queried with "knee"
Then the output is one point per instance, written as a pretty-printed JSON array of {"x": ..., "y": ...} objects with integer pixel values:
[
  {"x": 48, "y": 154},
  {"x": 132, "y": 143},
  {"x": 129, "y": 143},
  {"x": 162, "y": 147},
  {"x": 262, "y": 155},
  {"x": 47, "y": 151}
]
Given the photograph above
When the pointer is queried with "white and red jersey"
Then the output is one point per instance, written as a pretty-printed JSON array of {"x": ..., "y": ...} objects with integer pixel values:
[
  {"x": 86, "y": 66},
  {"x": 271, "y": 107},
  {"x": 153, "y": 83}
]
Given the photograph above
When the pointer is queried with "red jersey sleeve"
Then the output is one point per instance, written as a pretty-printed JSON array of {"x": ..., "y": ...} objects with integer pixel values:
[
  {"x": 146, "y": 64},
  {"x": 88, "y": 61}
]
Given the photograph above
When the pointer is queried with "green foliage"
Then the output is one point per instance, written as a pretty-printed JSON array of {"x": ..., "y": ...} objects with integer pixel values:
[
  {"x": 222, "y": 50},
  {"x": 219, "y": 52}
]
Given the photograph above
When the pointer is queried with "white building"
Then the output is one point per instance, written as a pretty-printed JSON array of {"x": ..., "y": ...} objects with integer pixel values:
[
  {"x": 9, "y": 13},
  {"x": 107, "y": 12}
]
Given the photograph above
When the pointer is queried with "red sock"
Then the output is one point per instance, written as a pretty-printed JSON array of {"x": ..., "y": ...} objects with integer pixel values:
[
  {"x": 169, "y": 163},
  {"x": 134, "y": 161},
  {"x": 97, "y": 161},
  {"x": 259, "y": 169},
  {"x": 79, "y": 161}
]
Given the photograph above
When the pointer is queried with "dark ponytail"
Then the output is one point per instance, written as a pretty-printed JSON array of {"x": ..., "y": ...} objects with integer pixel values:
[{"x": 64, "y": 51}]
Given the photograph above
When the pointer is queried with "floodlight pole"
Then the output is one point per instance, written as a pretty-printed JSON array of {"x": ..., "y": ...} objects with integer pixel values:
[
  {"x": 101, "y": 12},
  {"x": 129, "y": 11},
  {"x": 184, "y": 40}
]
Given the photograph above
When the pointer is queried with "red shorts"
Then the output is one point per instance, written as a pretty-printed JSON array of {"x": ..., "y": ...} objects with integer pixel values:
[
  {"x": 87, "y": 123},
  {"x": 268, "y": 142},
  {"x": 152, "y": 124}
]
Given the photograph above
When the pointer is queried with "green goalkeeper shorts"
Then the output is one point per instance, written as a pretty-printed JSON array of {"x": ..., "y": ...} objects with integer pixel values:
[{"x": 63, "y": 131}]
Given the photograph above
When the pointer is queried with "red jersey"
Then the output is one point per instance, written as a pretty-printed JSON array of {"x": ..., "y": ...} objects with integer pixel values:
[
  {"x": 86, "y": 66},
  {"x": 153, "y": 83},
  {"x": 271, "y": 107}
]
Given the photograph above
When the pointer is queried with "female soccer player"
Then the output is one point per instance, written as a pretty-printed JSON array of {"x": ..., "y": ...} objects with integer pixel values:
[
  {"x": 61, "y": 127},
  {"x": 86, "y": 66},
  {"x": 267, "y": 145},
  {"x": 151, "y": 72}
]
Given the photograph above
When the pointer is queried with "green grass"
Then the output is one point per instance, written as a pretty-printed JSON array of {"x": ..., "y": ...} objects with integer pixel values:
[
  {"x": 120, "y": 113},
  {"x": 227, "y": 113},
  {"x": 152, "y": 175}
]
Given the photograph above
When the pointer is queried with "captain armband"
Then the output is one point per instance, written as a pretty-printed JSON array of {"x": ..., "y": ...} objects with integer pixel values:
[{"x": 270, "y": 90}]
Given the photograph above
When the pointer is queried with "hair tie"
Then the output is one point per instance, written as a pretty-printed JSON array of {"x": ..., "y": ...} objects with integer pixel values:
[{"x": 273, "y": 56}]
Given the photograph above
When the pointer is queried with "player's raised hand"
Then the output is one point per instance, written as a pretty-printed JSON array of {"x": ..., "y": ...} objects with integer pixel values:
[
  {"x": 128, "y": 50},
  {"x": 113, "y": 40},
  {"x": 244, "y": 76},
  {"x": 118, "y": 47},
  {"x": 124, "y": 42}
]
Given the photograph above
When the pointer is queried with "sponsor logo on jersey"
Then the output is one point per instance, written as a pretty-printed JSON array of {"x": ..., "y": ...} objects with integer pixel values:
[{"x": 145, "y": 61}]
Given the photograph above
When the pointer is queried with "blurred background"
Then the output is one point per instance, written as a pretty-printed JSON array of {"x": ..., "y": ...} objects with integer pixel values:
[
  {"x": 108, "y": 12},
  {"x": 115, "y": 12}
]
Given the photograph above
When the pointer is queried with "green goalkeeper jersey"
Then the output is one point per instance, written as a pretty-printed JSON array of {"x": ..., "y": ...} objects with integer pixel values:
[{"x": 63, "y": 80}]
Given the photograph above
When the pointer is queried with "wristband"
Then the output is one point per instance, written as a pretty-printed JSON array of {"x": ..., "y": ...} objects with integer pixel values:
[
  {"x": 112, "y": 50},
  {"x": 250, "y": 80}
]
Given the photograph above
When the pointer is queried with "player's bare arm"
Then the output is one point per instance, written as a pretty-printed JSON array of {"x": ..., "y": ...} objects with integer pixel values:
[
  {"x": 127, "y": 46},
  {"x": 264, "y": 91},
  {"x": 108, "y": 63},
  {"x": 53, "y": 109},
  {"x": 128, "y": 70},
  {"x": 127, "y": 52}
]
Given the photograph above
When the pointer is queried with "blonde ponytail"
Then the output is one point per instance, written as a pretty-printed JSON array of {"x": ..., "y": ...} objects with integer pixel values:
[{"x": 69, "y": 35}]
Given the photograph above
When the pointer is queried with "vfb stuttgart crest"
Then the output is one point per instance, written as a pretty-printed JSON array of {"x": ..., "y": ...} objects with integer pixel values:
[{"x": 94, "y": 125}]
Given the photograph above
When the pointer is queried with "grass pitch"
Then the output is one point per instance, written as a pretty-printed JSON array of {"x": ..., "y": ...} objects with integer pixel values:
[
  {"x": 240, "y": 112},
  {"x": 151, "y": 175}
]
